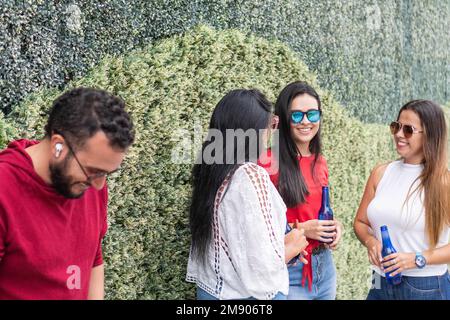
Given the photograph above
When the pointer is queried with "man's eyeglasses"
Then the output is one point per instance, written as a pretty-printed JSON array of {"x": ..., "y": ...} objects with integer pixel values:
[
  {"x": 313, "y": 116},
  {"x": 408, "y": 130},
  {"x": 92, "y": 177}
]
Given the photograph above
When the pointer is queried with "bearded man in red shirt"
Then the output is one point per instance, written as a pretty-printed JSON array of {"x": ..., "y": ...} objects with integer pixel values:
[{"x": 53, "y": 199}]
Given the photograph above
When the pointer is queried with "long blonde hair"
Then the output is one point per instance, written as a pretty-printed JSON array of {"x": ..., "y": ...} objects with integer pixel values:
[{"x": 435, "y": 177}]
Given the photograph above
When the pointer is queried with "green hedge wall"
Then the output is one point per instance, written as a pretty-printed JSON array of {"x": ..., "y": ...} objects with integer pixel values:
[
  {"x": 7, "y": 131},
  {"x": 374, "y": 55},
  {"x": 169, "y": 86}
]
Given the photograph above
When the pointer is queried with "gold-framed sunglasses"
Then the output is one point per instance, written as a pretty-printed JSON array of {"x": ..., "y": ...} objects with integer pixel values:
[{"x": 408, "y": 130}]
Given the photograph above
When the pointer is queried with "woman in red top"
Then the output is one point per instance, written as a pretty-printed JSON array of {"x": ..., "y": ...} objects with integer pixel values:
[{"x": 298, "y": 170}]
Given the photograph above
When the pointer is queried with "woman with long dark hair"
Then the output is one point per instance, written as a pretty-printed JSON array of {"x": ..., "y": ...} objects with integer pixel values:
[
  {"x": 237, "y": 218},
  {"x": 300, "y": 173},
  {"x": 410, "y": 196}
]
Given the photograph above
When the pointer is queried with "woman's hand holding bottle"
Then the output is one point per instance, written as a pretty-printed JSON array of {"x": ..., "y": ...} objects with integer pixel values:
[{"x": 295, "y": 244}]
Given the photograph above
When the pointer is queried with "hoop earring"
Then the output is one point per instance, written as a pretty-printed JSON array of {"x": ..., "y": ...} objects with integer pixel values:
[{"x": 269, "y": 140}]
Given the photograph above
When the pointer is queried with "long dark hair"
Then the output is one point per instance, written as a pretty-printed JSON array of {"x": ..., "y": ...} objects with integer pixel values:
[
  {"x": 239, "y": 109},
  {"x": 435, "y": 177},
  {"x": 291, "y": 184}
]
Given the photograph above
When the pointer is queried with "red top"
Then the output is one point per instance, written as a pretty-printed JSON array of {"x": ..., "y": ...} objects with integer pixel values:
[
  {"x": 48, "y": 244},
  {"x": 308, "y": 210}
]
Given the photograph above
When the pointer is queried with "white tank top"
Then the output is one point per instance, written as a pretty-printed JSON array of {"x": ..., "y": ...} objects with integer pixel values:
[{"x": 405, "y": 221}]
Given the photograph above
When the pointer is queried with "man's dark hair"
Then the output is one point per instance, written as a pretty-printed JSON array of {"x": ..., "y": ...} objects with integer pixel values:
[{"x": 80, "y": 113}]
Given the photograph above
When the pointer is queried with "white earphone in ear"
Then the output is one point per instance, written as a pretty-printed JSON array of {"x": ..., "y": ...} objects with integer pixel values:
[{"x": 59, "y": 148}]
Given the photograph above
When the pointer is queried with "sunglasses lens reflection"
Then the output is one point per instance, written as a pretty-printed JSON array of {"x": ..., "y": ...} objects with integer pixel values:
[
  {"x": 313, "y": 116},
  {"x": 407, "y": 131},
  {"x": 395, "y": 126},
  {"x": 297, "y": 117}
]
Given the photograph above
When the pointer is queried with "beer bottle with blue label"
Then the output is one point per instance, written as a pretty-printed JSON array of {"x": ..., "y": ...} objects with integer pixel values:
[
  {"x": 325, "y": 212},
  {"x": 387, "y": 250}
]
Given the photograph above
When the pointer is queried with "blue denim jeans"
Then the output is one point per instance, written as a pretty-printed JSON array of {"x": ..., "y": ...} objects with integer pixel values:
[
  {"x": 203, "y": 295},
  {"x": 411, "y": 288},
  {"x": 324, "y": 279}
]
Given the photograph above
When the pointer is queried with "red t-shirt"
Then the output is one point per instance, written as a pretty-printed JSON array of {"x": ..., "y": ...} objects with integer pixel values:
[
  {"x": 309, "y": 210},
  {"x": 48, "y": 244}
]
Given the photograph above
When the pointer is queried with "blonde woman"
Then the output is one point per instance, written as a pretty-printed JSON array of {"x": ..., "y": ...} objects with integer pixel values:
[{"x": 412, "y": 197}]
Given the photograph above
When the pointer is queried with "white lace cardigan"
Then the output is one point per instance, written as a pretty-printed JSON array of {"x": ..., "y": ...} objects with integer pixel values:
[{"x": 246, "y": 256}]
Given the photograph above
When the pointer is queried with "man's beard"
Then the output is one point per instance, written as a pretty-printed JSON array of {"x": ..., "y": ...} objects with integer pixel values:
[{"x": 61, "y": 182}]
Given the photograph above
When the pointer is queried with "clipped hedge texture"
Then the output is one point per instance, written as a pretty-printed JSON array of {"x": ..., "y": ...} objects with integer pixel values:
[
  {"x": 167, "y": 86},
  {"x": 7, "y": 132},
  {"x": 373, "y": 56}
]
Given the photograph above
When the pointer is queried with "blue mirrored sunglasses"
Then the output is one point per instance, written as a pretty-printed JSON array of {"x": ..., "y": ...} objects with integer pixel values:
[{"x": 312, "y": 115}]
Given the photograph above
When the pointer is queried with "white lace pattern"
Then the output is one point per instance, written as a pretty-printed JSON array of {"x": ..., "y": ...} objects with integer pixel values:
[{"x": 246, "y": 257}]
